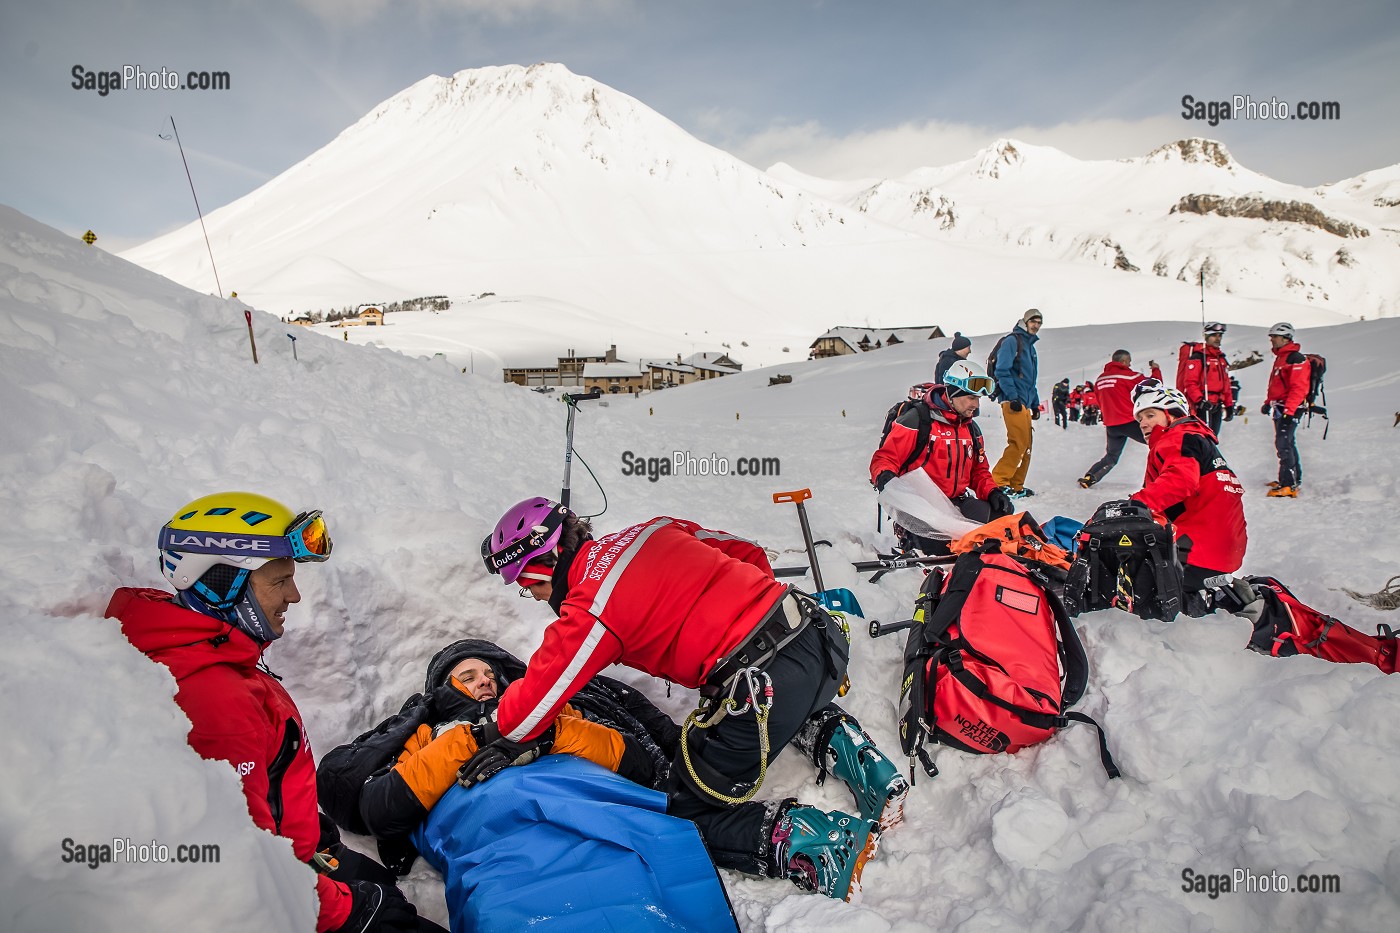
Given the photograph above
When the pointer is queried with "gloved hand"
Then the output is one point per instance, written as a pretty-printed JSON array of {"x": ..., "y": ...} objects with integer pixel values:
[
  {"x": 1016, "y": 406},
  {"x": 1035, "y": 414},
  {"x": 1203, "y": 409},
  {"x": 1000, "y": 503},
  {"x": 883, "y": 480},
  {"x": 1264, "y": 409},
  {"x": 448, "y": 703},
  {"x": 377, "y": 908},
  {"x": 495, "y": 754},
  {"x": 1229, "y": 412}
]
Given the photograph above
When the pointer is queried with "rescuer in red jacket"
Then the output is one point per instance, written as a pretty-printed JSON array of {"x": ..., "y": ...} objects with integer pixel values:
[
  {"x": 1189, "y": 482},
  {"x": 1203, "y": 376},
  {"x": 1288, "y": 391},
  {"x": 1114, "y": 391},
  {"x": 232, "y": 559},
  {"x": 938, "y": 435},
  {"x": 701, "y": 609}
]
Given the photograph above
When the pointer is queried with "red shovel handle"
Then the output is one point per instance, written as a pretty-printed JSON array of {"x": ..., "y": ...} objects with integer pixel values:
[{"x": 797, "y": 495}]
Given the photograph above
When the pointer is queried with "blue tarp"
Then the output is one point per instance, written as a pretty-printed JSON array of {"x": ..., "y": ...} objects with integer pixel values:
[{"x": 562, "y": 845}]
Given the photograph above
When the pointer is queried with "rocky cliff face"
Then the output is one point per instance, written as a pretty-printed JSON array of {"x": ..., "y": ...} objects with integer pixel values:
[{"x": 1296, "y": 212}]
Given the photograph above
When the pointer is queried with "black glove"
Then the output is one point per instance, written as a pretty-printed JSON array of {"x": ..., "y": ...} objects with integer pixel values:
[
  {"x": 1035, "y": 414},
  {"x": 495, "y": 754},
  {"x": 1016, "y": 406},
  {"x": 1264, "y": 409},
  {"x": 1203, "y": 409},
  {"x": 1229, "y": 412},
  {"x": 883, "y": 480},
  {"x": 378, "y": 908},
  {"x": 1000, "y": 503}
]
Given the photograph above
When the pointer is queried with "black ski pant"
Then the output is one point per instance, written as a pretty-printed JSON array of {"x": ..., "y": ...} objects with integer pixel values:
[
  {"x": 972, "y": 508},
  {"x": 1061, "y": 415},
  {"x": 805, "y": 675},
  {"x": 1118, "y": 437},
  {"x": 1215, "y": 414},
  {"x": 1196, "y": 602},
  {"x": 1290, "y": 467}
]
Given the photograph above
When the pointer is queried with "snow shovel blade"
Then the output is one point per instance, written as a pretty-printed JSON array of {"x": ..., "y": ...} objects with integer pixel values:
[{"x": 841, "y": 600}]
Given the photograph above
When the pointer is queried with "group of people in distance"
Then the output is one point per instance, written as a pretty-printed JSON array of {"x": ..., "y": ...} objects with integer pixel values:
[{"x": 1188, "y": 480}]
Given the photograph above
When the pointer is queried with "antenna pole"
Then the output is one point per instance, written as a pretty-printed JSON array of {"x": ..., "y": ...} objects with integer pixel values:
[{"x": 197, "y": 210}]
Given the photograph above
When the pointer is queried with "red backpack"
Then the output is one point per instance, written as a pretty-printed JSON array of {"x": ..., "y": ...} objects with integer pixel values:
[
  {"x": 1288, "y": 627},
  {"x": 992, "y": 663}
]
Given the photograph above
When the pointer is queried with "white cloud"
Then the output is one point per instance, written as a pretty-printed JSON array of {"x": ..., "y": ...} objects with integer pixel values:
[{"x": 811, "y": 148}]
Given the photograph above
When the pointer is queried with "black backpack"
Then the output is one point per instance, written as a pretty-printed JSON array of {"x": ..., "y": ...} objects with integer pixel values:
[
  {"x": 1125, "y": 560},
  {"x": 925, "y": 427},
  {"x": 1015, "y": 365}
]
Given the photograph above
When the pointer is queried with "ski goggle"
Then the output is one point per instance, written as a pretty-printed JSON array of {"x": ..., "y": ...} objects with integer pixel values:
[
  {"x": 975, "y": 385},
  {"x": 306, "y": 539}
]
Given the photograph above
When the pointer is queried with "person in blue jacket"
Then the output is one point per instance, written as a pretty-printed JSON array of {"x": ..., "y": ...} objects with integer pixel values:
[{"x": 1014, "y": 366}]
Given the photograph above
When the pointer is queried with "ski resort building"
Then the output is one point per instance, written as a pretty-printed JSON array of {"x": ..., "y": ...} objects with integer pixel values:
[{"x": 840, "y": 341}]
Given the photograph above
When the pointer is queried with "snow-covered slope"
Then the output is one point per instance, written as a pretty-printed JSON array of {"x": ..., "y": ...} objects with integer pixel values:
[
  {"x": 1333, "y": 246},
  {"x": 128, "y": 396},
  {"x": 535, "y": 182}
]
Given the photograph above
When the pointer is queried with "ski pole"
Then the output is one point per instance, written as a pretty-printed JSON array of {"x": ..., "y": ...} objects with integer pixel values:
[
  {"x": 572, "y": 401},
  {"x": 878, "y": 628}
]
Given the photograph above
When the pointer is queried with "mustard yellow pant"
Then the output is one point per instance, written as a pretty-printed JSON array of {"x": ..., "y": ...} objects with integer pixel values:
[{"x": 1015, "y": 461}]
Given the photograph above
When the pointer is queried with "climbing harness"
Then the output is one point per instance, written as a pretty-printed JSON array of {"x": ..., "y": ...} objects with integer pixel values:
[{"x": 711, "y": 710}]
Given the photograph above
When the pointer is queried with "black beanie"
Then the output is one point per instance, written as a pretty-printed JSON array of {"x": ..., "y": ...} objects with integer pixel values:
[{"x": 960, "y": 342}]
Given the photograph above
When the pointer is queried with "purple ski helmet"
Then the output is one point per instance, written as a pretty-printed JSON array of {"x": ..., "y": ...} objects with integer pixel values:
[{"x": 528, "y": 529}]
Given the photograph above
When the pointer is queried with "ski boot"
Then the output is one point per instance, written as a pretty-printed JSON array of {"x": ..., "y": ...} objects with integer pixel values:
[
  {"x": 824, "y": 852},
  {"x": 1282, "y": 492},
  {"x": 1086, "y": 481},
  {"x": 878, "y": 786}
]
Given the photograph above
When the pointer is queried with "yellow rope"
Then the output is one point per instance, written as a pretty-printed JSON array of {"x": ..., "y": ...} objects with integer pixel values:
[{"x": 728, "y": 706}]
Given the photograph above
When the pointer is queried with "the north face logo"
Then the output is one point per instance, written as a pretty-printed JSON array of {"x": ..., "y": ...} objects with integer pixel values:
[{"x": 979, "y": 732}]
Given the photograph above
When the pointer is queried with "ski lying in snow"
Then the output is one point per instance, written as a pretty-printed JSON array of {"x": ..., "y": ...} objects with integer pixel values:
[{"x": 884, "y": 563}]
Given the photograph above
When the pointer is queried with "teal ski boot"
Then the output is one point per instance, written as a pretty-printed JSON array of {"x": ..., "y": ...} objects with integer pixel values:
[
  {"x": 878, "y": 786},
  {"x": 825, "y": 852}
]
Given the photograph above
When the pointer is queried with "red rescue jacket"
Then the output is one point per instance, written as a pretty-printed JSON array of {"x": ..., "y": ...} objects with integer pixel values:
[
  {"x": 1190, "y": 482},
  {"x": 666, "y": 597},
  {"x": 1203, "y": 373},
  {"x": 1114, "y": 389},
  {"x": 239, "y": 714},
  {"x": 1288, "y": 380},
  {"x": 955, "y": 458}
]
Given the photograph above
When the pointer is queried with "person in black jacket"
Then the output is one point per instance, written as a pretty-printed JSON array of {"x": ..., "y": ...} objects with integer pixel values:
[
  {"x": 959, "y": 350},
  {"x": 1059, "y": 398}
]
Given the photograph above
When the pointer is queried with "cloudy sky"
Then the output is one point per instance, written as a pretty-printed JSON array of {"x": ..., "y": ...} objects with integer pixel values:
[{"x": 837, "y": 89}]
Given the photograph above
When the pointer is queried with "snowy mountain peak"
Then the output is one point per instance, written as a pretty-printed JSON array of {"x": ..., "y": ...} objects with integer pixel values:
[
  {"x": 1000, "y": 156},
  {"x": 1195, "y": 150},
  {"x": 547, "y": 91}
]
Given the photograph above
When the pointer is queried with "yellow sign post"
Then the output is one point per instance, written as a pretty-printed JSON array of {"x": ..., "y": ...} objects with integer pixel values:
[{"x": 89, "y": 238}]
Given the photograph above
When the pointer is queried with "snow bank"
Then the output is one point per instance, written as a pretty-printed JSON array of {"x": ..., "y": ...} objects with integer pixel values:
[{"x": 129, "y": 396}]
